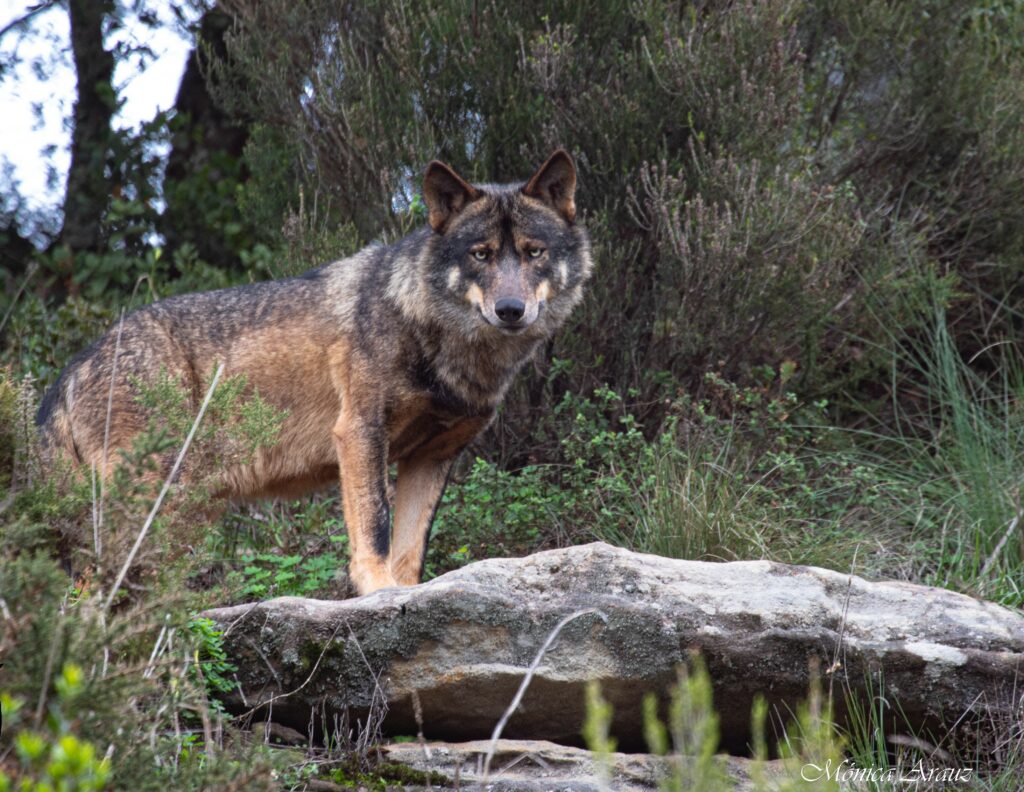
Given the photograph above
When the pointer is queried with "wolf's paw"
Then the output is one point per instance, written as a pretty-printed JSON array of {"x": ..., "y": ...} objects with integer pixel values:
[{"x": 370, "y": 576}]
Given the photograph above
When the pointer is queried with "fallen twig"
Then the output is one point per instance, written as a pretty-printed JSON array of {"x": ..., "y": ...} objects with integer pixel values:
[{"x": 991, "y": 560}]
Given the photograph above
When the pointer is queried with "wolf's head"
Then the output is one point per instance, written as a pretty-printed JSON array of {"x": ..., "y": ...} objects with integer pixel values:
[{"x": 506, "y": 259}]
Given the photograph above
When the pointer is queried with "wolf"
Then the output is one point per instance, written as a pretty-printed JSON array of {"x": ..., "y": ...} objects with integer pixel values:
[{"x": 399, "y": 354}]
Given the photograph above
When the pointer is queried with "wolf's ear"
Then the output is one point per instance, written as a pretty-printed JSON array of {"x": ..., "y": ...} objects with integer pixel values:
[
  {"x": 445, "y": 194},
  {"x": 555, "y": 184}
]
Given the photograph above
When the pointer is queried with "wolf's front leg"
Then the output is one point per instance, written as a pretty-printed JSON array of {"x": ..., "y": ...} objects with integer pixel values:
[
  {"x": 362, "y": 456},
  {"x": 421, "y": 481}
]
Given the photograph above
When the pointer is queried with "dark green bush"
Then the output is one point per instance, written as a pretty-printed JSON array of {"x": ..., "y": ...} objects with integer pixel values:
[{"x": 761, "y": 179}]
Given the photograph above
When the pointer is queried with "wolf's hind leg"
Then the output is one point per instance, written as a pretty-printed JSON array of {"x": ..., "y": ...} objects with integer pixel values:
[{"x": 421, "y": 481}]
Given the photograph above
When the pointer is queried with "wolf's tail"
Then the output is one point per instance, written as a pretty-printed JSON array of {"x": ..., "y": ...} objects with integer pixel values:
[{"x": 54, "y": 419}]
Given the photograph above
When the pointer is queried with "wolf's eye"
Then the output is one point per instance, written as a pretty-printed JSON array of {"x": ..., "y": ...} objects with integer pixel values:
[
  {"x": 535, "y": 252},
  {"x": 481, "y": 255}
]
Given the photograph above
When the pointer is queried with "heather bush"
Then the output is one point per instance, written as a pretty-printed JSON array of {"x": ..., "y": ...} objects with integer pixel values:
[{"x": 761, "y": 179}]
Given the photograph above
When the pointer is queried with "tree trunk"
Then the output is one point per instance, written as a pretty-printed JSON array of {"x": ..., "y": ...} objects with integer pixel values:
[
  {"x": 88, "y": 192},
  {"x": 207, "y": 143}
]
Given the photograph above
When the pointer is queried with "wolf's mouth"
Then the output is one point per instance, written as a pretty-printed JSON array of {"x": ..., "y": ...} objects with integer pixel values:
[
  {"x": 508, "y": 328},
  {"x": 512, "y": 328}
]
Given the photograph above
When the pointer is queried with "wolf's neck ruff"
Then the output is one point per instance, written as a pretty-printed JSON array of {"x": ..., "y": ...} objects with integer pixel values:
[{"x": 468, "y": 373}]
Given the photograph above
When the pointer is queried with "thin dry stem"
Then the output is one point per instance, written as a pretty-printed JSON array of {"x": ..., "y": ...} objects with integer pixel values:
[
  {"x": 991, "y": 560},
  {"x": 164, "y": 490},
  {"x": 51, "y": 657},
  {"x": 106, "y": 426},
  {"x": 517, "y": 700}
]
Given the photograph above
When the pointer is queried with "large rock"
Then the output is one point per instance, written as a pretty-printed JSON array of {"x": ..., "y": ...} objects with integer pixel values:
[
  {"x": 540, "y": 766},
  {"x": 463, "y": 641},
  {"x": 536, "y": 766}
]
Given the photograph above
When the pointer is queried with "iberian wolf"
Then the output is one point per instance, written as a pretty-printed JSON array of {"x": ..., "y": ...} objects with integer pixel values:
[{"x": 398, "y": 354}]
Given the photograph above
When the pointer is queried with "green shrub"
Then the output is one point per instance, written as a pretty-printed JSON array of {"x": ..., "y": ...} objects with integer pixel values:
[
  {"x": 135, "y": 674},
  {"x": 210, "y": 661},
  {"x": 693, "y": 729},
  {"x": 689, "y": 738},
  {"x": 54, "y": 758},
  {"x": 267, "y": 575},
  {"x": 955, "y": 460}
]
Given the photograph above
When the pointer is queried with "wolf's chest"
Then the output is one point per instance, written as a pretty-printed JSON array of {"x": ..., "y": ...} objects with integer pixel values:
[
  {"x": 418, "y": 423},
  {"x": 413, "y": 422}
]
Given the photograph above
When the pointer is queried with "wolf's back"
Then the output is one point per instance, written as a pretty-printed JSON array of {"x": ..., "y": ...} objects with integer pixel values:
[{"x": 184, "y": 337}]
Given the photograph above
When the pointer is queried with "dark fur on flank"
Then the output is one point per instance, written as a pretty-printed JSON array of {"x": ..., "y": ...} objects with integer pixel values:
[{"x": 400, "y": 353}]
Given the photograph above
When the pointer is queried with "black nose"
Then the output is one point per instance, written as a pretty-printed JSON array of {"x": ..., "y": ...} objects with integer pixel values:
[{"x": 509, "y": 309}]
